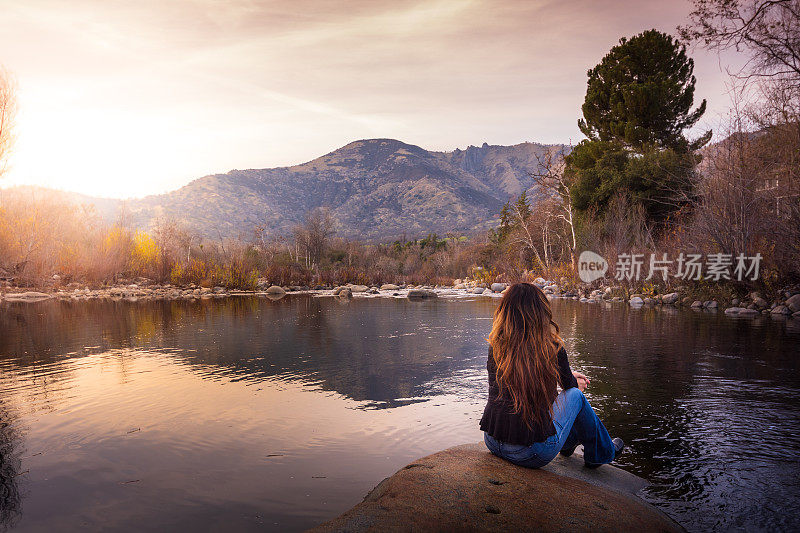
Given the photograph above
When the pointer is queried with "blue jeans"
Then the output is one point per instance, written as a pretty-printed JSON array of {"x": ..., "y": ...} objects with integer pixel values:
[{"x": 575, "y": 422}]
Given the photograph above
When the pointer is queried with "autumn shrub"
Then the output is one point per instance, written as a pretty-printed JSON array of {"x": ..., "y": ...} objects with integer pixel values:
[
  {"x": 485, "y": 275},
  {"x": 195, "y": 272},
  {"x": 236, "y": 275},
  {"x": 145, "y": 254},
  {"x": 341, "y": 274},
  {"x": 287, "y": 273},
  {"x": 563, "y": 274}
]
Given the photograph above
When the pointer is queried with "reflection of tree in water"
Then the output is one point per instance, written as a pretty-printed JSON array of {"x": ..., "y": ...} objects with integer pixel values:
[
  {"x": 385, "y": 350},
  {"x": 688, "y": 392},
  {"x": 641, "y": 364},
  {"x": 378, "y": 350},
  {"x": 654, "y": 370},
  {"x": 370, "y": 350},
  {"x": 10, "y": 500}
]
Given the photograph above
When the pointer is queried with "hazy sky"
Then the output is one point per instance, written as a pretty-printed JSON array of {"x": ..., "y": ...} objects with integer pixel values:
[{"x": 127, "y": 98}]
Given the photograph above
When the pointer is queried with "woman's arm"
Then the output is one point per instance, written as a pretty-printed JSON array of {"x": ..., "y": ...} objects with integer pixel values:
[{"x": 565, "y": 374}]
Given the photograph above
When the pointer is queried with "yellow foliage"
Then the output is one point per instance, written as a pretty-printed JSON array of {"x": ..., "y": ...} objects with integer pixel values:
[
  {"x": 236, "y": 275},
  {"x": 176, "y": 276},
  {"x": 483, "y": 275},
  {"x": 116, "y": 238},
  {"x": 144, "y": 255},
  {"x": 68, "y": 257},
  {"x": 196, "y": 271}
]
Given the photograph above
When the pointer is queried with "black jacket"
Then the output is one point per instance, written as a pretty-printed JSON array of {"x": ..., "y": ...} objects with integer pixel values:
[{"x": 503, "y": 424}]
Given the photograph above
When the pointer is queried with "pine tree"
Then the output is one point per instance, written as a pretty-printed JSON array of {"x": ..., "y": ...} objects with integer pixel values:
[
  {"x": 641, "y": 94},
  {"x": 638, "y": 104},
  {"x": 522, "y": 207},
  {"x": 505, "y": 222}
]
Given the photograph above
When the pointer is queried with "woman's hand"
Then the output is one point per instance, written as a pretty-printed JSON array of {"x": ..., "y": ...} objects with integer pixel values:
[{"x": 582, "y": 379}]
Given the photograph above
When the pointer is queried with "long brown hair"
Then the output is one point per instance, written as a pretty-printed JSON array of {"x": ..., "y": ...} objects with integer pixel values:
[{"x": 524, "y": 342}]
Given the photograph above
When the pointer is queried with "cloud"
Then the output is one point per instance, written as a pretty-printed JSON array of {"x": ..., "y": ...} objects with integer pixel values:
[{"x": 163, "y": 92}]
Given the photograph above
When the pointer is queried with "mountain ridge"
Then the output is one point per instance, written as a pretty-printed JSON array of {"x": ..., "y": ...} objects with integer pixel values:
[{"x": 376, "y": 189}]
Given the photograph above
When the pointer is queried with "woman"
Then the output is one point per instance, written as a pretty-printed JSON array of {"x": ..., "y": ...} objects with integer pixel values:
[{"x": 525, "y": 420}]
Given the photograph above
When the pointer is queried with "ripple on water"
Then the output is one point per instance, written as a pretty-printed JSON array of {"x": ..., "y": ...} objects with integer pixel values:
[{"x": 196, "y": 416}]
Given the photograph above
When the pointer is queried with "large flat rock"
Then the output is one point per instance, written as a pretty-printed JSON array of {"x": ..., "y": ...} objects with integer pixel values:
[
  {"x": 30, "y": 296},
  {"x": 466, "y": 488}
]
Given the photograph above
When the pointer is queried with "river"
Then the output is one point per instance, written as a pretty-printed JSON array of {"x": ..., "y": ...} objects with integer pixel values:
[{"x": 251, "y": 414}]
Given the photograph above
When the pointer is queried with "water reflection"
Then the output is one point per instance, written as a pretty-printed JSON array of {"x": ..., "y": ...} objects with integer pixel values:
[
  {"x": 9, "y": 469},
  {"x": 247, "y": 413},
  {"x": 296, "y": 407},
  {"x": 709, "y": 405},
  {"x": 355, "y": 351}
]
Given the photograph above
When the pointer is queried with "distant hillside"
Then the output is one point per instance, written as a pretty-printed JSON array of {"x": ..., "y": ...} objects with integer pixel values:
[{"x": 377, "y": 189}]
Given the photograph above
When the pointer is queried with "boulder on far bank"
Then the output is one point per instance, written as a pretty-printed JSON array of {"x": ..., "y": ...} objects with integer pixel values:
[
  {"x": 390, "y": 287},
  {"x": 466, "y": 488},
  {"x": 670, "y": 298},
  {"x": 274, "y": 289},
  {"x": 358, "y": 288},
  {"x": 741, "y": 311},
  {"x": 498, "y": 287},
  {"x": 760, "y": 302},
  {"x": 270, "y": 296},
  {"x": 793, "y": 303},
  {"x": 344, "y": 292},
  {"x": 422, "y": 293}
]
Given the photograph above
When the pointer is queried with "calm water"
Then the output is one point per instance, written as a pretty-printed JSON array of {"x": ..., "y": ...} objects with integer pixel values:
[{"x": 251, "y": 414}]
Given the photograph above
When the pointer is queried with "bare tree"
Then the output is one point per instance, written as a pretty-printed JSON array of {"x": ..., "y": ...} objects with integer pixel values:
[
  {"x": 540, "y": 234},
  {"x": 732, "y": 207},
  {"x": 552, "y": 181},
  {"x": 769, "y": 30},
  {"x": 775, "y": 159},
  {"x": 750, "y": 191},
  {"x": 525, "y": 235},
  {"x": 270, "y": 243},
  {"x": 166, "y": 232},
  {"x": 314, "y": 234},
  {"x": 8, "y": 111},
  {"x": 186, "y": 239}
]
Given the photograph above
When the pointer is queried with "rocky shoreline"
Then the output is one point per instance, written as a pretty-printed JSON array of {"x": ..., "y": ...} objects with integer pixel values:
[{"x": 754, "y": 304}]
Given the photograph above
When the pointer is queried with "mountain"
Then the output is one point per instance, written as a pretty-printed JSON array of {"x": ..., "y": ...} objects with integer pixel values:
[{"x": 377, "y": 189}]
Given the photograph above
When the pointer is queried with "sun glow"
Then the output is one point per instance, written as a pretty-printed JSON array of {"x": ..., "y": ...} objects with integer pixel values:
[
  {"x": 103, "y": 152},
  {"x": 125, "y": 100}
]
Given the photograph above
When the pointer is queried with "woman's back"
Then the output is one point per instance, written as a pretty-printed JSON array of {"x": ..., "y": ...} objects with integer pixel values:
[
  {"x": 501, "y": 422},
  {"x": 525, "y": 419}
]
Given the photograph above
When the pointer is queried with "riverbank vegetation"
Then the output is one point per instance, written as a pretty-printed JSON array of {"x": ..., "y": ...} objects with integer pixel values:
[{"x": 639, "y": 183}]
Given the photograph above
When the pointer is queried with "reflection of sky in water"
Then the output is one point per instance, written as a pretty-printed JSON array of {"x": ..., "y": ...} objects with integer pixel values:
[{"x": 253, "y": 414}]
